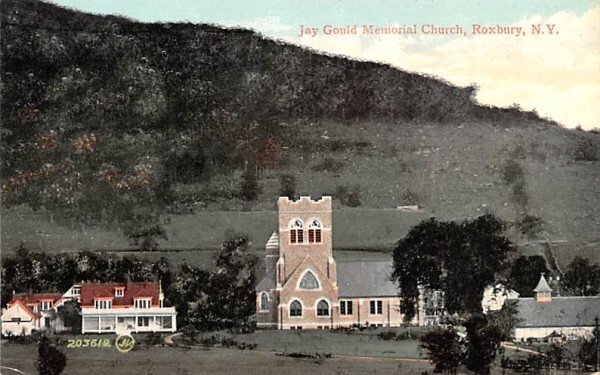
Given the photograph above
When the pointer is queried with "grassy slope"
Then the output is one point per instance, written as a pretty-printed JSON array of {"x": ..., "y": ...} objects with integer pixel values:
[{"x": 451, "y": 167}]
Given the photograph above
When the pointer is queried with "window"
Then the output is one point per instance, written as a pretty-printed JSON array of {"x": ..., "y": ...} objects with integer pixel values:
[
  {"x": 295, "y": 309},
  {"x": 143, "y": 321},
  {"x": 322, "y": 308},
  {"x": 119, "y": 292},
  {"x": 46, "y": 305},
  {"x": 16, "y": 320},
  {"x": 264, "y": 302},
  {"x": 309, "y": 281},
  {"x": 76, "y": 291},
  {"x": 346, "y": 307},
  {"x": 142, "y": 303},
  {"x": 103, "y": 304},
  {"x": 376, "y": 307},
  {"x": 296, "y": 232},
  {"x": 314, "y": 231}
]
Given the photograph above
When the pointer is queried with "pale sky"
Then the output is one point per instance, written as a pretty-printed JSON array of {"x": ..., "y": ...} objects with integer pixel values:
[{"x": 558, "y": 75}]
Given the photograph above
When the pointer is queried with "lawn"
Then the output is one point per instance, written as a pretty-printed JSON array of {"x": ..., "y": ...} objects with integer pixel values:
[
  {"x": 353, "y": 343},
  {"x": 357, "y": 352}
]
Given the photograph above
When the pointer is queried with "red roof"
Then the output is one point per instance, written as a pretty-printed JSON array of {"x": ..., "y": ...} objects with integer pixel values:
[
  {"x": 34, "y": 298},
  {"x": 89, "y": 292},
  {"x": 24, "y": 300}
]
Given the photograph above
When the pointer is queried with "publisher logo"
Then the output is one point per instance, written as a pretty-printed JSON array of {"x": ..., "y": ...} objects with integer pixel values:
[{"x": 124, "y": 343}]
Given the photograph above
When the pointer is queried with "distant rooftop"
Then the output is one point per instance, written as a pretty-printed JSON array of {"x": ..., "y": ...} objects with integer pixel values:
[{"x": 559, "y": 312}]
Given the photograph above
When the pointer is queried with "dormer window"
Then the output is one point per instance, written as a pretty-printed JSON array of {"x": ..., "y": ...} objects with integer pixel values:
[
  {"x": 46, "y": 305},
  {"x": 142, "y": 303},
  {"x": 119, "y": 291},
  {"x": 314, "y": 231},
  {"x": 296, "y": 231},
  {"x": 103, "y": 304},
  {"x": 76, "y": 291}
]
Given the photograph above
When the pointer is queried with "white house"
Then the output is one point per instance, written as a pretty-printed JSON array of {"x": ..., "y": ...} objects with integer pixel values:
[
  {"x": 25, "y": 313},
  {"x": 123, "y": 307},
  {"x": 543, "y": 315}
]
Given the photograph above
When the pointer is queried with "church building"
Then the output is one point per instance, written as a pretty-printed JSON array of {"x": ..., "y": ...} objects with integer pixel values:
[{"x": 305, "y": 288}]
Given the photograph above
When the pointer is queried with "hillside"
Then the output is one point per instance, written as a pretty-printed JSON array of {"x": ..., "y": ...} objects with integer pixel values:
[{"x": 109, "y": 123}]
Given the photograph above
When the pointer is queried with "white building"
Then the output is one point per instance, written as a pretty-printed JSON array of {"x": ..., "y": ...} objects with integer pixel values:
[
  {"x": 543, "y": 315},
  {"x": 25, "y": 313},
  {"x": 123, "y": 307}
]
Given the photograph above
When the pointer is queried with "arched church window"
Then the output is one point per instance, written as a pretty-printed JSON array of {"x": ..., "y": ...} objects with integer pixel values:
[
  {"x": 322, "y": 308},
  {"x": 264, "y": 302},
  {"x": 295, "y": 309},
  {"x": 314, "y": 231},
  {"x": 309, "y": 281},
  {"x": 296, "y": 231}
]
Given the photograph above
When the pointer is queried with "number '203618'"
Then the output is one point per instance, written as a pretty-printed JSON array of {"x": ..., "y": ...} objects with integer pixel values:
[{"x": 92, "y": 343}]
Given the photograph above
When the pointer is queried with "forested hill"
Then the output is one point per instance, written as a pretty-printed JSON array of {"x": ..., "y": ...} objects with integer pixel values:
[{"x": 110, "y": 121}]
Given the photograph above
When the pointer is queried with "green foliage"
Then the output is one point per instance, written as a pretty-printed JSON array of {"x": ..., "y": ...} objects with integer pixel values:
[
  {"x": 287, "y": 186},
  {"x": 460, "y": 259},
  {"x": 531, "y": 225},
  {"x": 249, "y": 189},
  {"x": 348, "y": 196},
  {"x": 444, "y": 349},
  {"x": 223, "y": 298},
  {"x": 51, "y": 360},
  {"x": 525, "y": 273},
  {"x": 582, "y": 278},
  {"x": 586, "y": 150},
  {"x": 70, "y": 313},
  {"x": 483, "y": 342},
  {"x": 505, "y": 319},
  {"x": 588, "y": 354}
]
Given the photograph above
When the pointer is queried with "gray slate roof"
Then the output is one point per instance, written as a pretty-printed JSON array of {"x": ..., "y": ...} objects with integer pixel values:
[
  {"x": 355, "y": 279},
  {"x": 559, "y": 312},
  {"x": 267, "y": 283},
  {"x": 365, "y": 279}
]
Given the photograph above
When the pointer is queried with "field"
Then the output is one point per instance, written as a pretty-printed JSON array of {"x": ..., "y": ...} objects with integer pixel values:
[
  {"x": 352, "y": 353},
  {"x": 195, "y": 238},
  {"x": 418, "y": 165}
]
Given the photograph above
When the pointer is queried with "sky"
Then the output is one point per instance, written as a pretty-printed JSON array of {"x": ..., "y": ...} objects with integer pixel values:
[{"x": 556, "y": 74}]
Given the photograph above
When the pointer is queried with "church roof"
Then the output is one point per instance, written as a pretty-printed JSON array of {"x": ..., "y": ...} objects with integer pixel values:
[
  {"x": 267, "y": 283},
  {"x": 542, "y": 286},
  {"x": 558, "y": 312},
  {"x": 365, "y": 279},
  {"x": 273, "y": 241}
]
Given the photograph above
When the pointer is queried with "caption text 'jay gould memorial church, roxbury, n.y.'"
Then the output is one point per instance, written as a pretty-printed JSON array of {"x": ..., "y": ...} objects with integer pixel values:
[{"x": 304, "y": 287}]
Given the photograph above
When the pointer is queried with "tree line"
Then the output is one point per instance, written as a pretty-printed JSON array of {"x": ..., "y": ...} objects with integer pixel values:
[{"x": 222, "y": 297}]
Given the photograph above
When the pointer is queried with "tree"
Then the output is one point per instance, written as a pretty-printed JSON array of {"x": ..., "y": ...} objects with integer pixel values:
[
  {"x": 525, "y": 273},
  {"x": 231, "y": 295},
  {"x": 144, "y": 230},
  {"x": 461, "y": 259},
  {"x": 287, "y": 186},
  {"x": 444, "y": 349},
  {"x": 70, "y": 313},
  {"x": 506, "y": 319},
  {"x": 483, "y": 342},
  {"x": 51, "y": 361},
  {"x": 590, "y": 349},
  {"x": 249, "y": 188},
  {"x": 582, "y": 278}
]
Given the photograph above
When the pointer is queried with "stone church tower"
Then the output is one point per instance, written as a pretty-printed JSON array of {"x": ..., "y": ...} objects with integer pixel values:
[{"x": 300, "y": 288}]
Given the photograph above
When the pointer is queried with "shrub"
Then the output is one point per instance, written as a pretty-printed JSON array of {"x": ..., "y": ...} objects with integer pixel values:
[
  {"x": 586, "y": 150},
  {"x": 152, "y": 339},
  {"x": 328, "y": 165},
  {"x": 287, "y": 186},
  {"x": 51, "y": 360},
  {"x": 349, "y": 197}
]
